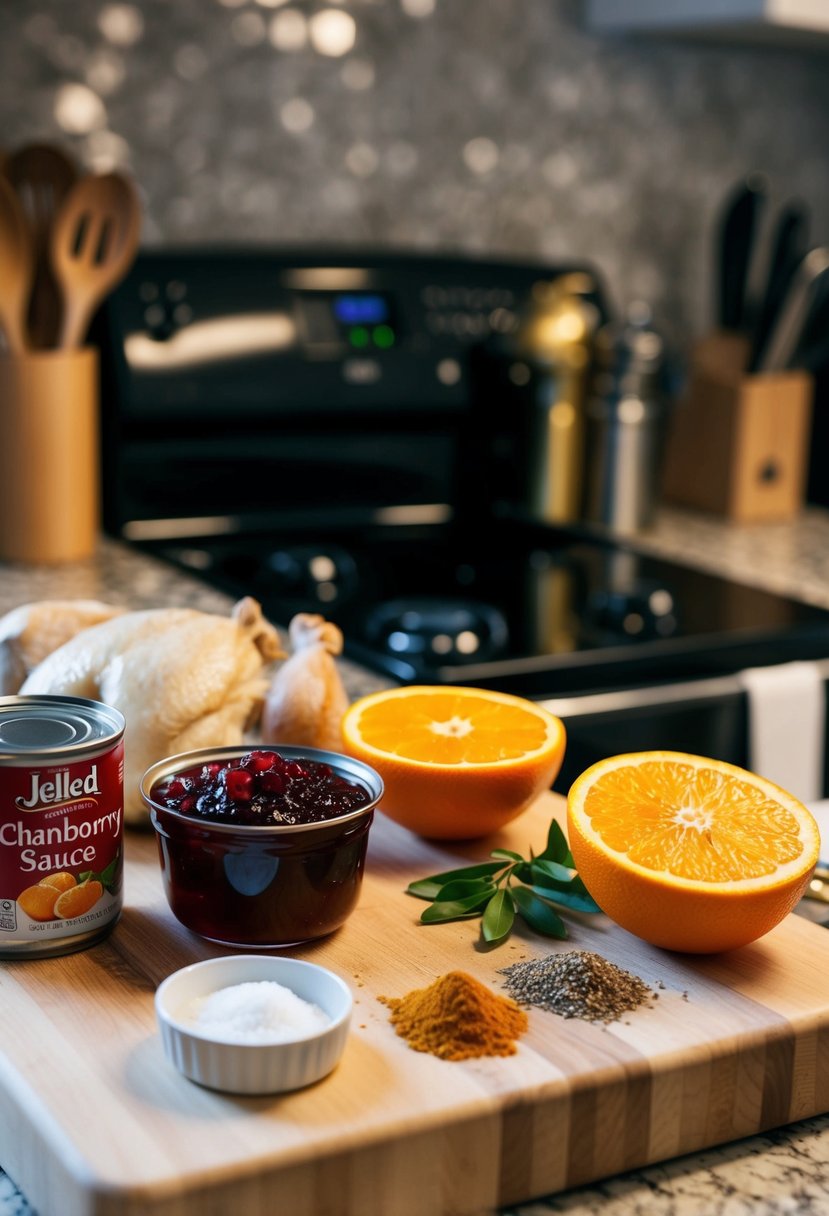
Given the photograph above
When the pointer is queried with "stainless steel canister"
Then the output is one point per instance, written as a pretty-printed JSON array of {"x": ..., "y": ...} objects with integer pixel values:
[
  {"x": 61, "y": 823},
  {"x": 625, "y": 412}
]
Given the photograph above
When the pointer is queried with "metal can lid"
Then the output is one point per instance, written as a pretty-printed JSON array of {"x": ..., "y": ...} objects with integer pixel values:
[{"x": 48, "y": 726}]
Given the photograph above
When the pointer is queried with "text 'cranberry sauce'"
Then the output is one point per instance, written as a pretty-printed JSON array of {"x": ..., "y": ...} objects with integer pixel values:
[{"x": 261, "y": 788}]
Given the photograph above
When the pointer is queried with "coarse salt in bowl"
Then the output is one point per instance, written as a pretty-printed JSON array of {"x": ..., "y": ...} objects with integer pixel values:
[{"x": 221, "y": 1027}]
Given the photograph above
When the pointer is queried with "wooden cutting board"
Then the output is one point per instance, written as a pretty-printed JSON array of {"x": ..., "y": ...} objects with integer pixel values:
[{"x": 93, "y": 1120}]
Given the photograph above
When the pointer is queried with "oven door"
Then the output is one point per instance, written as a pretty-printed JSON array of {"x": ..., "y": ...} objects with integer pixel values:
[
  {"x": 220, "y": 485},
  {"x": 722, "y": 717}
]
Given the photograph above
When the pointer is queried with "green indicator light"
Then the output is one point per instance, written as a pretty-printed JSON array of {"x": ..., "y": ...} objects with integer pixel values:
[
  {"x": 358, "y": 335},
  {"x": 383, "y": 336}
]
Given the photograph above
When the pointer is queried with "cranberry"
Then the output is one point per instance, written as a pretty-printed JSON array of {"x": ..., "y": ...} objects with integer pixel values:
[
  {"x": 272, "y": 783},
  {"x": 239, "y": 785},
  {"x": 177, "y": 787},
  {"x": 260, "y": 762}
]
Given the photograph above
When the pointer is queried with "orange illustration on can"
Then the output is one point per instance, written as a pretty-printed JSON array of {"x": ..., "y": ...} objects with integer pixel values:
[{"x": 61, "y": 823}]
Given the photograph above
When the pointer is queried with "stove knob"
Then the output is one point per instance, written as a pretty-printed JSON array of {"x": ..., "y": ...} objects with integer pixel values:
[
  {"x": 314, "y": 575},
  {"x": 159, "y": 321}
]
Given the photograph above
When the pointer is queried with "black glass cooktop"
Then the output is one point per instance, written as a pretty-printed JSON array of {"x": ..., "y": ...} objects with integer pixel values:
[{"x": 524, "y": 609}]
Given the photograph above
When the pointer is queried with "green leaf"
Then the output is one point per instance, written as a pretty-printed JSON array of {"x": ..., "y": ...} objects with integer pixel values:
[
  {"x": 568, "y": 899},
  {"x": 542, "y": 869},
  {"x": 557, "y": 848},
  {"x": 109, "y": 877},
  {"x": 455, "y": 909},
  {"x": 547, "y": 874},
  {"x": 460, "y": 888},
  {"x": 109, "y": 874},
  {"x": 577, "y": 886},
  {"x": 432, "y": 915},
  {"x": 538, "y": 913},
  {"x": 507, "y": 854},
  {"x": 499, "y": 916},
  {"x": 430, "y": 888}
]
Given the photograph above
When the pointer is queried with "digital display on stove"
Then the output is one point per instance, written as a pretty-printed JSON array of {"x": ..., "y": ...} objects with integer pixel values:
[
  {"x": 361, "y": 309},
  {"x": 358, "y": 320}
]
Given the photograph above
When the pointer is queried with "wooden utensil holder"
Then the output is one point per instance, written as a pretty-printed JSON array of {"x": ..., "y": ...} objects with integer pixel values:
[
  {"x": 49, "y": 456},
  {"x": 737, "y": 443}
]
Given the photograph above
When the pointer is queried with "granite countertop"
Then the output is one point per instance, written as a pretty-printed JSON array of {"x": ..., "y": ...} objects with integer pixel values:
[
  {"x": 782, "y": 1173},
  {"x": 787, "y": 558}
]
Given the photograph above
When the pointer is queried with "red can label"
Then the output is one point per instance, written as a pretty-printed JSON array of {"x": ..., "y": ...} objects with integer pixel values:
[{"x": 61, "y": 847}]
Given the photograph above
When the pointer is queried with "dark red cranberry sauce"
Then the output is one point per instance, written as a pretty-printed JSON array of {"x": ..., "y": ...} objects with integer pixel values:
[{"x": 261, "y": 789}]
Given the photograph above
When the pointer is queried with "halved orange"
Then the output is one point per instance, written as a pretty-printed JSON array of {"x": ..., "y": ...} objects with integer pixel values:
[
  {"x": 689, "y": 853},
  {"x": 456, "y": 762}
]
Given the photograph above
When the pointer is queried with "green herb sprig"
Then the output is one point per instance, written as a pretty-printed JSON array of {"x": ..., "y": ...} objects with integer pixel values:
[{"x": 508, "y": 886}]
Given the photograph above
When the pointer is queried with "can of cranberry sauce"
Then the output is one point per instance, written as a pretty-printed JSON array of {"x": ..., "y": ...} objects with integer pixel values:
[{"x": 61, "y": 824}]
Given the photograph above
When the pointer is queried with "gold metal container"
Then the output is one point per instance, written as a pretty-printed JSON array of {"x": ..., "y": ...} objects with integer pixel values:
[{"x": 555, "y": 341}]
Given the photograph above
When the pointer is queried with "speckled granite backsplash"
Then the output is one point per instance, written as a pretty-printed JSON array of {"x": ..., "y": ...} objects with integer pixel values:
[{"x": 502, "y": 126}]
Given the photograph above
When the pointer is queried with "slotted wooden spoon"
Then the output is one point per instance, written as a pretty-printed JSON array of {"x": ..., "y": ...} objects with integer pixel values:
[
  {"x": 94, "y": 241},
  {"x": 16, "y": 269},
  {"x": 42, "y": 176}
]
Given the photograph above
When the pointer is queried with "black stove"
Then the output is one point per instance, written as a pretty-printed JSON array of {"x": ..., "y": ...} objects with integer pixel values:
[{"x": 543, "y": 612}]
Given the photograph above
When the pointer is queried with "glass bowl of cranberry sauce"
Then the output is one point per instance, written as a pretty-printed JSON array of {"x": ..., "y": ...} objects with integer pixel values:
[{"x": 261, "y": 847}]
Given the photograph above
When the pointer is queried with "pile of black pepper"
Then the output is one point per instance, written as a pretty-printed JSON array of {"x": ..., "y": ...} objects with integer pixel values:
[{"x": 577, "y": 984}]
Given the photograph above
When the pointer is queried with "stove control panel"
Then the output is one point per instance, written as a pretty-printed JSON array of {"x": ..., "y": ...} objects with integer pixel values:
[
  {"x": 250, "y": 387},
  {"x": 194, "y": 333}
]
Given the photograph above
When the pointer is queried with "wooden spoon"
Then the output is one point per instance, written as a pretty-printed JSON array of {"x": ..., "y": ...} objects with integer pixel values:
[
  {"x": 94, "y": 241},
  {"x": 42, "y": 175},
  {"x": 16, "y": 269}
]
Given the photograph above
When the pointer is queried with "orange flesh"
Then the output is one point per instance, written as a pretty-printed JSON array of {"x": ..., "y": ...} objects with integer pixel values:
[
  {"x": 693, "y": 823},
  {"x": 452, "y": 730}
]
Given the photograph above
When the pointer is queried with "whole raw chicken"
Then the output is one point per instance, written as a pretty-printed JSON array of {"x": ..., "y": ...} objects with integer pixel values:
[
  {"x": 306, "y": 701},
  {"x": 182, "y": 679},
  {"x": 31, "y": 631}
]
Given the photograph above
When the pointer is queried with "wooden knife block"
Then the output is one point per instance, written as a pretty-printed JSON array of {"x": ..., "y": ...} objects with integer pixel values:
[{"x": 738, "y": 444}]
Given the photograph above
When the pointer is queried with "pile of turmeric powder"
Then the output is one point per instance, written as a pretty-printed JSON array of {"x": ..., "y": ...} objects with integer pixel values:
[{"x": 457, "y": 1018}]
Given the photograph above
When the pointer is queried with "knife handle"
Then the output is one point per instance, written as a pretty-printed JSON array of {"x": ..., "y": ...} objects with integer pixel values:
[
  {"x": 737, "y": 234},
  {"x": 789, "y": 247},
  {"x": 793, "y": 315}
]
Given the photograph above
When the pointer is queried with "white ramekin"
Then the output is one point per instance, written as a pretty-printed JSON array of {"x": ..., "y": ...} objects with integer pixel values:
[{"x": 253, "y": 1068}]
